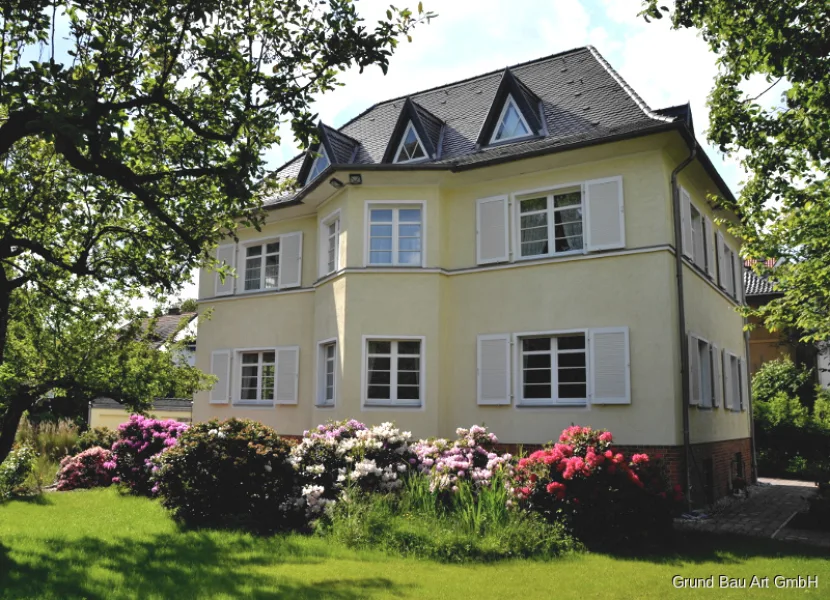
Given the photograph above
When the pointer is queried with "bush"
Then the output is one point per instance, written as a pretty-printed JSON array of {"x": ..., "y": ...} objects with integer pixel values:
[
  {"x": 102, "y": 437},
  {"x": 85, "y": 470},
  {"x": 14, "y": 471},
  {"x": 139, "y": 440},
  {"x": 230, "y": 473},
  {"x": 780, "y": 376},
  {"x": 345, "y": 454},
  {"x": 604, "y": 499},
  {"x": 50, "y": 439},
  {"x": 781, "y": 409}
]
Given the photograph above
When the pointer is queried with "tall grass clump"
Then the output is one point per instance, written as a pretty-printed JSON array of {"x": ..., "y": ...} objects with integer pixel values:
[{"x": 52, "y": 440}]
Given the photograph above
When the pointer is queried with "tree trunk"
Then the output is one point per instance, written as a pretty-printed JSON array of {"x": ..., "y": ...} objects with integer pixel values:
[{"x": 9, "y": 423}]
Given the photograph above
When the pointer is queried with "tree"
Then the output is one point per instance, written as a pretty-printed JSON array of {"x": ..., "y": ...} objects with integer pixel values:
[
  {"x": 785, "y": 204},
  {"x": 70, "y": 346},
  {"x": 125, "y": 157}
]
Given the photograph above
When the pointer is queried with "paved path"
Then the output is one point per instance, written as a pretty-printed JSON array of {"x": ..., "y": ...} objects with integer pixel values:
[{"x": 765, "y": 513}]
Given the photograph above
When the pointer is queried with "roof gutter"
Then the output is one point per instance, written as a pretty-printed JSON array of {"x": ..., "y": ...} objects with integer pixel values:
[{"x": 681, "y": 318}]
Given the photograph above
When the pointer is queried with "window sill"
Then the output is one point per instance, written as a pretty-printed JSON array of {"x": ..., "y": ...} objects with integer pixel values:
[
  {"x": 253, "y": 404},
  {"x": 551, "y": 405},
  {"x": 555, "y": 255},
  {"x": 320, "y": 405},
  {"x": 391, "y": 405}
]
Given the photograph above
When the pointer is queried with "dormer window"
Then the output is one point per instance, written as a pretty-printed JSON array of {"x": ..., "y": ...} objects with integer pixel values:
[
  {"x": 319, "y": 165},
  {"x": 410, "y": 149},
  {"x": 511, "y": 124}
]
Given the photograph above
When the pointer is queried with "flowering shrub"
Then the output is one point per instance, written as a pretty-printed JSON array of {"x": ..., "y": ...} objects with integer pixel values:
[
  {"x": 234, "y": 472},
  {"x": 85, "y": 470},
  {"x": 470, "y": 458},
  {"x": 603, "y": 497},
  {"x": 139, "y": 440},
  {"x": 15, "y": 469},
  {"x": 341, "y": 454}
]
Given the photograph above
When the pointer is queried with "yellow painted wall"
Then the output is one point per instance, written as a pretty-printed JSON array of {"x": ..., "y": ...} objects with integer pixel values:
[
  {"x": 450, "y": 308},
  {"x": 111, "y": 418}
]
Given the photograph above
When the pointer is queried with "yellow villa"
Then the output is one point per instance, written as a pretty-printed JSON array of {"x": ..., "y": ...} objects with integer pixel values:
[{"x": 527, "y": 249}]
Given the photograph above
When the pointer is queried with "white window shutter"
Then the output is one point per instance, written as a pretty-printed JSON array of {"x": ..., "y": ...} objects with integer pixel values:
[
  {"x": 744, "y": 387},
  {"x": 491, "y": 230},
  {"x": 686, "y": 219},
  {"x": 610, "y": 369},
  {"x": 694, "y": 371},
  {"x": 717, "y": 386},
  {"x": 291, "y": 260},
  {"x": 493, "y": 379},
  {"x": 739, "y": 277},
  {"x": 728, "y": 396},
  {"x": 709, "y": 242},
  {"x": 226, "y": 254},
  {"x": 604, "y": 214},
  {"x": 722, "y": 272},
  {"x": 220, "y": 365},
  {"x": 288, "y": 375}
]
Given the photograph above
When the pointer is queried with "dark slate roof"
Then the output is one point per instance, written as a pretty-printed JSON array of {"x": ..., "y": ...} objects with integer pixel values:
[
  {"x": 582, "y": 98},
  {"x": 171, "y": 404},
  {"x": 166, "y": 326},
  {"x": 756, "y": 285}
]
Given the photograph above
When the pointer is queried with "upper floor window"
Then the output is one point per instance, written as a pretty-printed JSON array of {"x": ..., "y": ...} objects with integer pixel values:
[
  {"x": 319, "y": 165},
  {"x": 262, "y": 266},
  {"x": 511, "y": 124},
  {"x": 550, "y": 224},
  {"x": 330, "y": 244},
  {"x": 393, "y": 372},
  {"x": 410, "y": 149},
  {"x": 554, "y": 370},
  {"x": 396, "y": 236}
]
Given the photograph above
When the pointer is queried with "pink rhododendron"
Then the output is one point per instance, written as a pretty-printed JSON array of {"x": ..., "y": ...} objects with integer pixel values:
[{"x": 88, "y": 469}]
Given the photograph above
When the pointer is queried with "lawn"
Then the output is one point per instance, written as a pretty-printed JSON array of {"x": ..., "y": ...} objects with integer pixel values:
[{"x": 99, "y": 544}]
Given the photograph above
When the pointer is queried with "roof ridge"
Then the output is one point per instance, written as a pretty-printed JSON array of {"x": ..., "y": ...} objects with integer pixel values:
[{"x": 624, "y": 84}]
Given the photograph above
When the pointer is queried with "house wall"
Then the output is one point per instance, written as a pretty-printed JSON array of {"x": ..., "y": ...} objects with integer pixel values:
[
  {"x": 453, "y": 301},
  {"x": 111, "y": 418}
]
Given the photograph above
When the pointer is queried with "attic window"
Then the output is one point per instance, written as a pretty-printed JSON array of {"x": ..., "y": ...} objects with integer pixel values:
[
  {"x": 319, "y": 165},
  {"x": 511, "y": 124},
  {"x": 410, "y": 148}
]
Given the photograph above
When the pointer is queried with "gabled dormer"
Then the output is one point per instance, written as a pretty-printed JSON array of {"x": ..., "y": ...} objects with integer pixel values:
[
  {"x": 416, "y": 135},
  {"x": 515, "y": 113},
  {"x": 333, "y": 147}
]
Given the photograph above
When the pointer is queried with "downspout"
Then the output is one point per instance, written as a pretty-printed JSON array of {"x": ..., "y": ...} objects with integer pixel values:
[
  {"x": 753, "y": 463},
  {"x": 681, "y": 318}
]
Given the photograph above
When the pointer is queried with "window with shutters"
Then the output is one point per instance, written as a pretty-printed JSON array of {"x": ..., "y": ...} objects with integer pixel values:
[
  {"x": 550, "y": 224},
  {"x": 395, "y": 235},
  {"x": 727, "y": 270},
  {"x": 733, "y": 381},
  {"x": 270, "y": 264},
  {"x": 511, "y": 124},
  {"x": 394, "y": 372},
  {"x": 554, "y": 369},
  {"x": 410, "y": 149},
  {"x": 327, "y": 367},
  {"x": 257, "y": 371},
  {"x": 262, "y": 266},
  {"x": 703, "y": 371}
]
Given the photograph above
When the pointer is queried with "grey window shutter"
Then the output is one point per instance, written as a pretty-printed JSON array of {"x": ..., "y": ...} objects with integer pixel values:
[
  {"x": 686, "y": 220},
  {"x": 717, "y": 385},
  {"x": 722, "y": 271},
  {"x": 226, "y": 254},
  {"x": 694, "y": 371},
  {"x": 709, "y": 242},
  {"x": 493, "y": 364},
  {"x": 739, "y": 277},
  {"x": 727, "y": 381},
  {"x": 288, "y": 375},
  {"x": 491, "y": 230},
  {"x": 604, "y": 214},
  {"x": 291, "y": 260},
  {"x": 744, "y": 386},
  {"x": 610, "y": 370},
  {"x": 220, "y": 365}
]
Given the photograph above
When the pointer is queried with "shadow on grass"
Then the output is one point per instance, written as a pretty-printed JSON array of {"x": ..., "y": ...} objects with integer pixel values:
[
  {"x": 37, "y": 499},
  {"x": 725, "y": 549},
  {"x": 191, "y": 566}
]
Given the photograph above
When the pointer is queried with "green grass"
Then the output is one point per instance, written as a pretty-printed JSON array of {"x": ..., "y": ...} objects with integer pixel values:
[{"x": 99, "y": 544}]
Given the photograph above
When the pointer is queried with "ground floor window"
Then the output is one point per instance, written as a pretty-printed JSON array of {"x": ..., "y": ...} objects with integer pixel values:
[
  {"x": 328, "y": 354},
  {"x": 257, "y": 381},
  {"x": 554, "y": 369},
  {"x": 394, "y": 372}
]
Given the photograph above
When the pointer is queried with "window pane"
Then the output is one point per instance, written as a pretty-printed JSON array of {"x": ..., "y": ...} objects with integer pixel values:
[
  {"x": 571, "y": 342},
  {"x": 568, "y": 216},
  {"x": 536, "y": 361},
  {"x": 571, "y": 375},
  {"x": 409, "y": 347},
  {"x": 534, "y": 220},
  {"x": 409, "y": 215},
  {"x": 511, "y": 125},
  {"x": 537, "y": 376},
  {"x": 568, "y": 244},
  {"x": 408, "y": 378},
  {"x": 272, "y": 271},
  {"x": 406, "y": 392},
  {"x": 533, "y": 204},
  {"x": 569, "y": 199},
  {"x": 248, "y": 394},
  {"x": 378, "y": 392},
  {"x": 409, "y": 258},
  {"x": 272, "y": 248},
  {"x": 381, "y": 215},
  {"x": 268, "y": 388},
  {"x": 379, "y": 363},
  {"x": 329, "y": 379},
  {"x": 537, "y": 391},
  {"x": 407, "y": 363},
  {"x": 410, "y": 244},
  {"x": 535, "y": 344},
  {"x": 249, "y": 383},
  {"x": 379, "y": 377},
  {"x": 268, "y": 357},
  {"x": 250, "y": 357},
  {"x": 380, "y": 258},
  {"x": 252, "y": 273},
  {"x": 383, "y": 243},
  {"x": 253, "y": 251},
  {"x": 378, "y": 347},
  {"x": 572, "y": 391},
  {"x": 330, "y": 351},
  {"x": 571, "y": 360},
  {"x": 381, "y": 231},
  {"x": 409, "y": 230}
]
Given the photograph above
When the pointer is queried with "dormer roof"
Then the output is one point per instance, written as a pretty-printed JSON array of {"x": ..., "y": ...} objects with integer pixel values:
[
  {"x": 528, "y": 104},
  {"x": 427, "y": 126},
  {"x": 339, "y": 148}
]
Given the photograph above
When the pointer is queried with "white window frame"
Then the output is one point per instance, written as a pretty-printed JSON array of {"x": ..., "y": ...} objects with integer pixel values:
[
  {"x": 395, "y": 160},
  {"x": 242, "y": 262},
  {"x": 394, "y": 205},
  {"x": 365, "y": 402},
  {"x": 322, "y": 154},
  {"x": 518, "y": 379},
  {"x": 325, "y": 240},
  {"x": 237, "y": 377},
  {"x": 549, "y": 192},
  {"x": 508, "y": 102},
  {"x": 322, "y": 364},
  {"x": 738, "y": 383}
]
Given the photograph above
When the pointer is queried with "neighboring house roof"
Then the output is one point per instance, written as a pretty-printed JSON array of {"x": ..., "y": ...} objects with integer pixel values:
[
  {"x": 169, "y": 404},
  {"x": 570, "y": 99},
  {"x": 756, "y": 285},
  {"x": 166, "y": 326}
]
